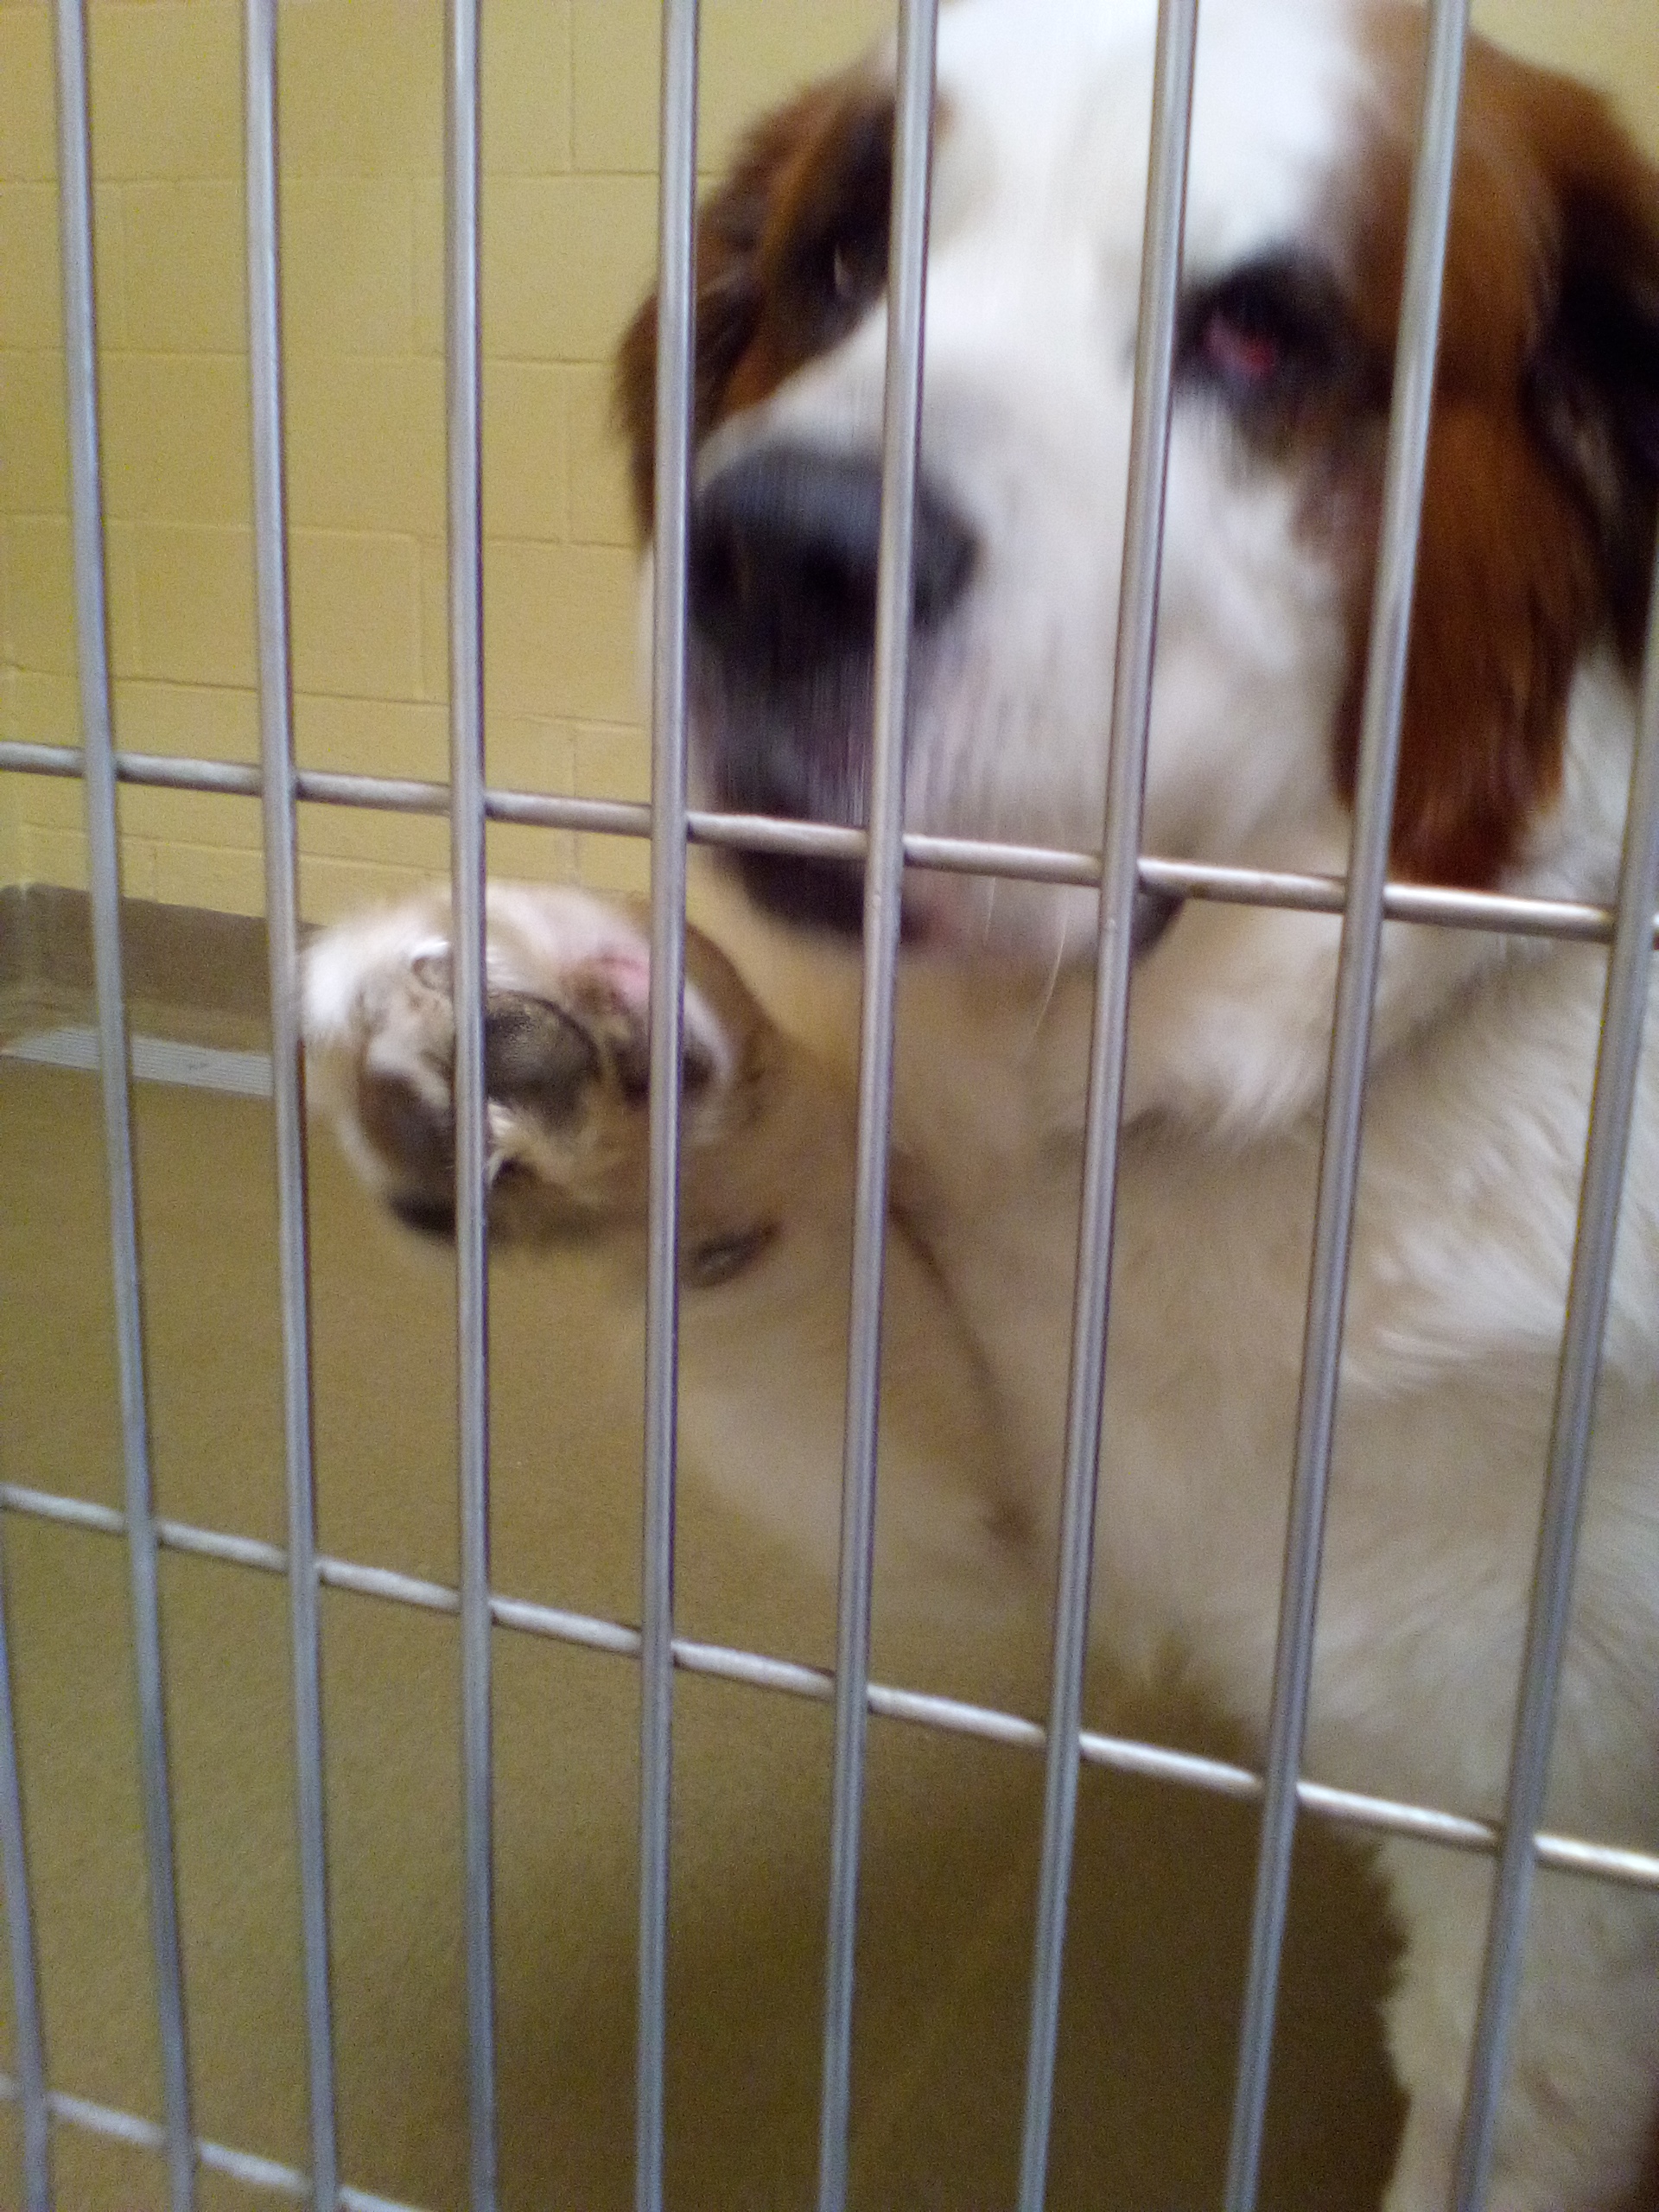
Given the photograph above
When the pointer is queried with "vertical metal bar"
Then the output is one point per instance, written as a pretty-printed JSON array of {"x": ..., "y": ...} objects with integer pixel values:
[
  {"x": 467, "y": 880},
  {"x": 1137, "y": 623},
  {"x": 1361, "y": 931},
  {"x": 1623, "y": 1011},
  {"x": 900, "y": 440},
  {"x": 92, "y": 625},
  {"x": 676, "y": 339},
  {"x": 281, "y": 927},
  {"x": 27, "y": 2033}
]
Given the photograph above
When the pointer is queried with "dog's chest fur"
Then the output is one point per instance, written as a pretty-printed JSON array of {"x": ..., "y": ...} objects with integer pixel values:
[{"x": 1462, "y": 1244}]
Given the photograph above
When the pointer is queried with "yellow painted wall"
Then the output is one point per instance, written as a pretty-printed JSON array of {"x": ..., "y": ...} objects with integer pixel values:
[
  {"x": 569, "y": 136},
  {"x": 570, "y": 203},
  {"x": 1613, "y": 43}
]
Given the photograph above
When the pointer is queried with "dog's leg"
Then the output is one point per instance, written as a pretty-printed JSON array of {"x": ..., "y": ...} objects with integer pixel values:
[
  {"x": 1578, "y": 2102},
  {"x": 765, "y": 1216}
]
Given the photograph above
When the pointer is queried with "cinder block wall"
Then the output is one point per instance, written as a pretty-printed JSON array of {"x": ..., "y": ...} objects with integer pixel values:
[
  {"x": 570, "y": 149},
  {"x": 569, "y": 206}
]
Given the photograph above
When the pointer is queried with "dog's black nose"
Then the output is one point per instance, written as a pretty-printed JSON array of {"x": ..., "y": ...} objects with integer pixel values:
[{"x": 783, "y": 546}]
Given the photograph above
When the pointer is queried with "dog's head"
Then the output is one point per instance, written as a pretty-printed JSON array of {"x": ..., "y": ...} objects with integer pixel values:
[{"x": 1539, "y": 528}]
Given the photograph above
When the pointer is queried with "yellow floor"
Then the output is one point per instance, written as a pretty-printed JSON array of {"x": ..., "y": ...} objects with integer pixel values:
[{"x": 951, "y": 1833}]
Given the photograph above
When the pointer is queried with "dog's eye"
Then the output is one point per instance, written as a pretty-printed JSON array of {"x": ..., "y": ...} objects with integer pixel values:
[
  {"x": 843, "y": 271},
  {"x": 1239, "y": 351},
  {"x": 858, "y": 269},
  {"x": 1269, "y": 335}
]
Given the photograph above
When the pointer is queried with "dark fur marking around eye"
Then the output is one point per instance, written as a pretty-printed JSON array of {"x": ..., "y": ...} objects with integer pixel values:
[
  {"x": 831, "y": 263},
  {"x": 1273, "y": 342},
  {"x": 1592, "y": 390}
]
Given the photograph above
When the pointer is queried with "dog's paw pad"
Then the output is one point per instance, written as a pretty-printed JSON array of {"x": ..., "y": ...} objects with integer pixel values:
[
  {"x": 537, "y": 1055},
  {"x": 567, "y": 1055}
]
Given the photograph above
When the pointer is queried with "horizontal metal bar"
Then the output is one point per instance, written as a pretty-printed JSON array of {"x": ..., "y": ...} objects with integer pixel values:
[
  {"x": 161, "y": 769},
  {"x": 245, "y": 2166},
  {"x": 753, "y": 1670},
  {"x": 1637, "y": 1870},
  {"x": 234, "y": 1551},
  {"x": 1427, "y": 904},
  {"x": 564, "y": 1627},
  {"x": 1434, "y": 906},
  {"x": 917, "y": 1708},
  {"x": 953, "y": 1717},
  {"x": 49, "y": 1505},
  {"x": 384, "y": 1582}
]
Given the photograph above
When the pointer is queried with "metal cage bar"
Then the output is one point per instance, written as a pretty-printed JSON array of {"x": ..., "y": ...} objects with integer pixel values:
[
  {"x": 900, "y": 442},
  {"x": 1137, "y": 627},
  {"x": 1625, "y": 1008},
  {"x": 1365, "y": 898},
  {"x": 676, "y": 338},
  {"x": 466, "y": 861},
  {"x": 952, "y": 1716},
  {"x": 1429, "y": 906},
  {"x": 91, "y": 638},
  {"x": 27, "y": 2030},
  {"x": 917, "y": 1708},
  {"x": 1357, "y": 969},
  {"x": 246, "y": 2167},
  {"x": 281, "y": 927}
]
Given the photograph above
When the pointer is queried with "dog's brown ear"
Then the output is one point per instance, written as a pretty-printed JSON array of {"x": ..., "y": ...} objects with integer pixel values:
[
  {"x": 741, "y": 228},
  {"x": 1593, "y": 377},
  {"x": 1539, "y": 503}
]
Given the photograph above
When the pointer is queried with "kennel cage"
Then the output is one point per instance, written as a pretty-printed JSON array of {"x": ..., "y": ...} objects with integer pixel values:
[{"x": 1364, "y": 899}]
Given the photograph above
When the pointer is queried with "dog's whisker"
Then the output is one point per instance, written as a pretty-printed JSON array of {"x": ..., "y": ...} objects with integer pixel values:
[
  {"x": 990, "y": 883},
  {"x": 1053, "y": 984}
]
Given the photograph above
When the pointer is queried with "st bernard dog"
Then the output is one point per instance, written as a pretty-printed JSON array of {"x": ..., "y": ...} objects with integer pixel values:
[{"x": 1537, "y": 552}]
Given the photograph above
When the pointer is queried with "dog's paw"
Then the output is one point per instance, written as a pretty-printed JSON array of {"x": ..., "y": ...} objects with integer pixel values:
[{"x": 566, "y": 1053}]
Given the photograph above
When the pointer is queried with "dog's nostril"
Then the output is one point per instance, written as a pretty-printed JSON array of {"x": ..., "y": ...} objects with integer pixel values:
[{"x": 784, "y": 547}]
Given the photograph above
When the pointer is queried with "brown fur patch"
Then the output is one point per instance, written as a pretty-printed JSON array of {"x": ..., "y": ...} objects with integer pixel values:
[
  {"x": 790, "y": 251},
  {"x": 1538, "y": 524}
]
